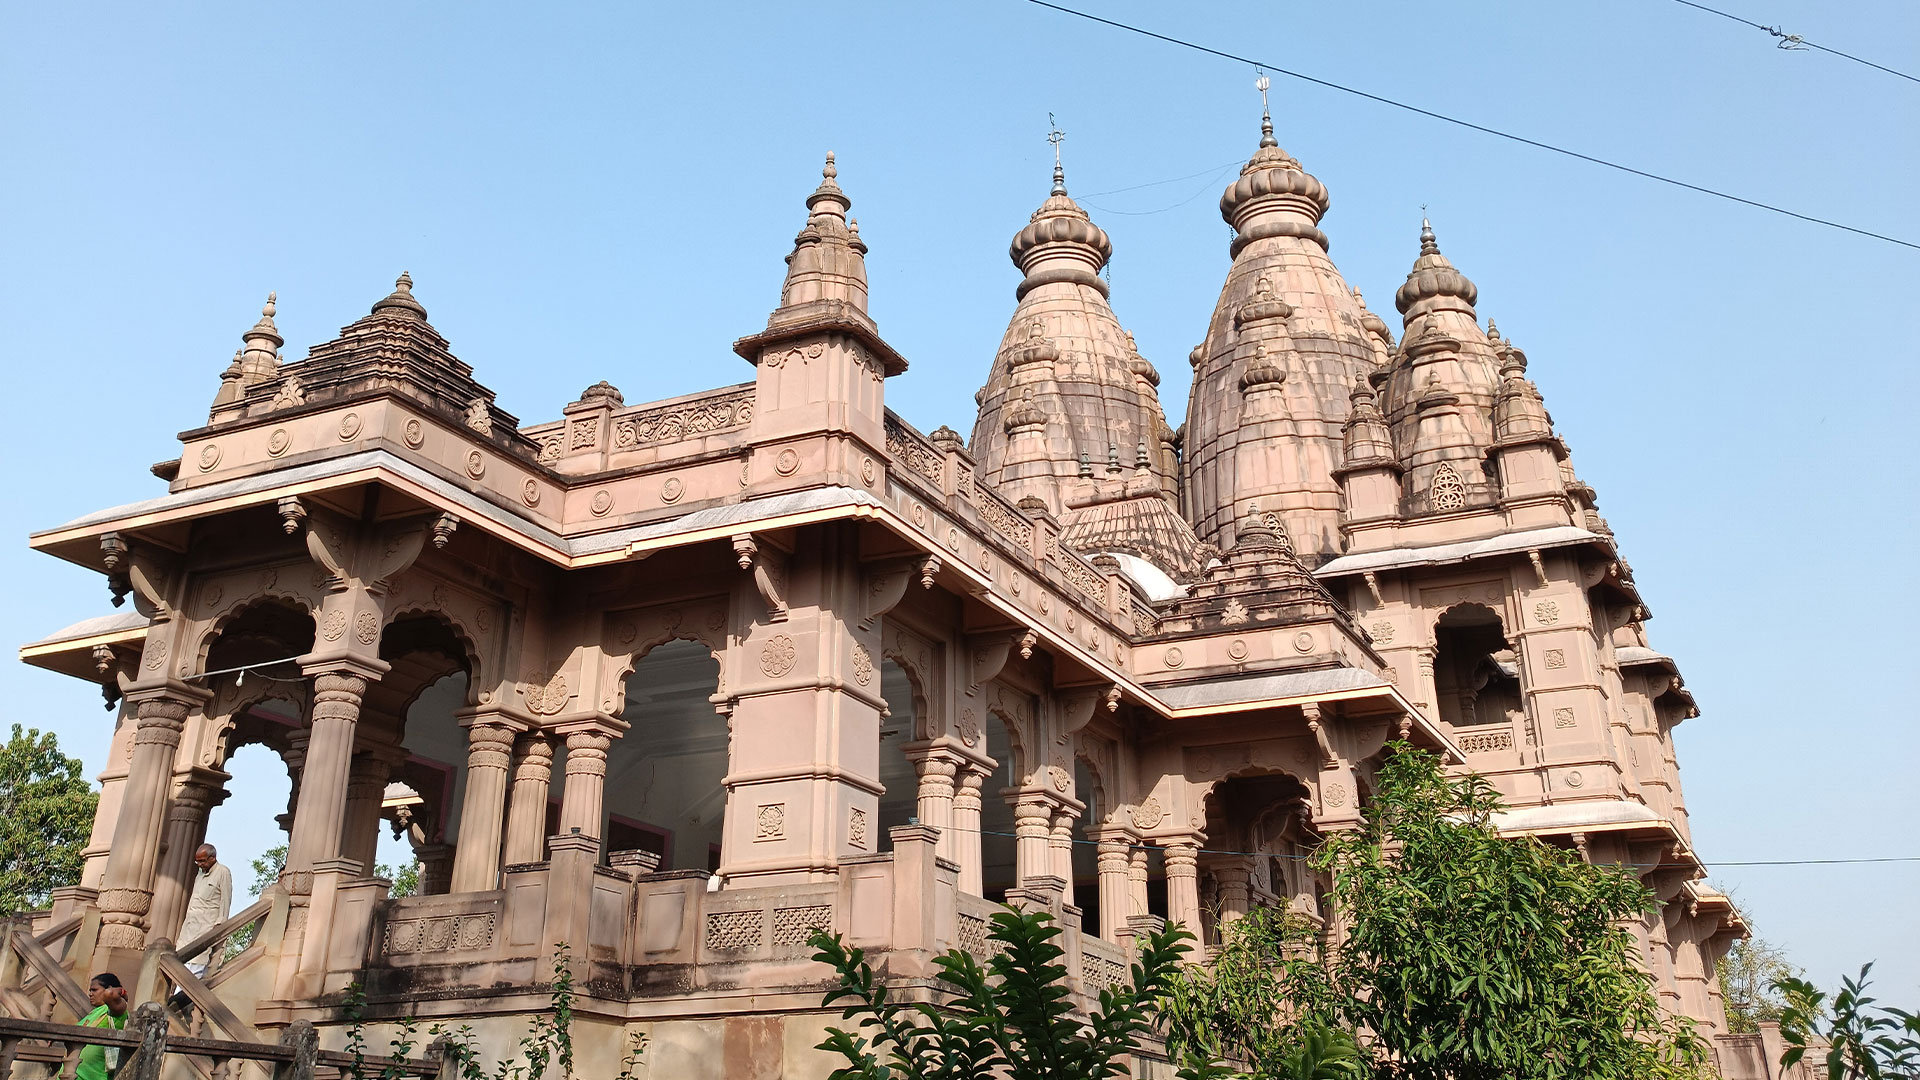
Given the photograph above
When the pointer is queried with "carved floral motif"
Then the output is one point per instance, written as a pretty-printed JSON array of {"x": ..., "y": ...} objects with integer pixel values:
[
  {"x": 686, "y": 420},
  {"x": 1148, "y": 814},
  {"x": 777, "y": 656},
  {"x": 862, "y": 664}
]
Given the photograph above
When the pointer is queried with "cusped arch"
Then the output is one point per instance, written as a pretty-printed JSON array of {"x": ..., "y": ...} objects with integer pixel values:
[
  {"x": 1469, "y": 613},
  {"x": 297, "y": 608},
  {"x": 1017, "y": 719},
  {"x": 633, "y": 635},
  {"x": 232, "y": 725},
  {"x": 479, "y": 672}
]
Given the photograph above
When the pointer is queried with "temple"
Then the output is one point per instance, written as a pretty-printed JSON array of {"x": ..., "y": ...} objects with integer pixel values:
[{"x": 675, "y": 683}]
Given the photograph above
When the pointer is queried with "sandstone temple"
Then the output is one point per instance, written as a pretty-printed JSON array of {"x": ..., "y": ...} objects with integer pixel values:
[{"x": 676, "y": 682}]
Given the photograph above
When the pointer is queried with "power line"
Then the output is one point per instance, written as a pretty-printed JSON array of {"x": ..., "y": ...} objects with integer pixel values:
[
  {"x": 1482, "y": 128},
  {"x": 1792, "y": 42}
]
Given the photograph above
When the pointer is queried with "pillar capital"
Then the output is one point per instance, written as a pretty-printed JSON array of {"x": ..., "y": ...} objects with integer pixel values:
[{"x": 364, "y": 668}]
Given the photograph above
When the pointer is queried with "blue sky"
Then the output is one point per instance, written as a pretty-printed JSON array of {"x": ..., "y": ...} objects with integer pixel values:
[{"x": 607, "y": 192}]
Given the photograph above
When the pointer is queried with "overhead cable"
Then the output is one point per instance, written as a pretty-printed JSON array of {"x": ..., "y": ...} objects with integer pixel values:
[{"x": 1482, "y": 128}]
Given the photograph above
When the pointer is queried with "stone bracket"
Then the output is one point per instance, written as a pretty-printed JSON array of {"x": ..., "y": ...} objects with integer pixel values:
[
  {"x": 766, "y": 578},
  {"x": 986, "y": 658}
]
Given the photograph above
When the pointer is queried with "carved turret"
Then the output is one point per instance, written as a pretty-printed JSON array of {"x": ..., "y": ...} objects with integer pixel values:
[
  {"x": 1369, "y": 473},
  {"x": 821, "y": 362}
]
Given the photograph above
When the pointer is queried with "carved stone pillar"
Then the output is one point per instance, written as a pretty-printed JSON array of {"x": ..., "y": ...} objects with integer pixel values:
[
  {"x": 126, "y": 892},
  {"x": 1234, "y": 873},
  {"x": 582, "y": 805},
  {"x": 321, "y": 810},
  {"x": 476, "y": 866},
  {"x": 1137, "y": 875},
  {"x": 366, "y": 787},
  {"x": 113, "y": 780},
  {"x": 436, "y": 868},
  {"x": 185, "y": 831},
  {"x": 1060, "y": 846},
  {"x": 966, "y": 829},
  {"x": 1114, "y": 860},
  {"x": 1033, "y": 837},
  {"x": 527, "y": 807},
  {"x": 937, "y": 767},
  {"x": 1183, "y": 883}
]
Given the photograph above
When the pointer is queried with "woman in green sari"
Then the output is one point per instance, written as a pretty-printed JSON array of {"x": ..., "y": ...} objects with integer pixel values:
[{"x": 109, "y": 1001}]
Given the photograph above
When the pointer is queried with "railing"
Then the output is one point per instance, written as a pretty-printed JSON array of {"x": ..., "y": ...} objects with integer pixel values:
[
  {"x": 146, "y": 1042},
  {"x": 28, "y": 970},
  {"x": 217, "y": 942}
]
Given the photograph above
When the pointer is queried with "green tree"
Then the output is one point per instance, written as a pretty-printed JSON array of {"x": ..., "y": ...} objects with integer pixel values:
[
  {"x": 46, "y": 814},
  {"x": 1749, "y": 974},
  {"x": 1265, "y": 1000},
  {"x": 267, "y": 868},
  {"x": 1470, "y": 956},
  {"x": 1861, "y": 1039},
  {"x": 1012, "y": 1019}
]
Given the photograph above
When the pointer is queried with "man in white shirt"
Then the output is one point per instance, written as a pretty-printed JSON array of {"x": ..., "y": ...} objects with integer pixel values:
[{"x": 208, "y": 906}]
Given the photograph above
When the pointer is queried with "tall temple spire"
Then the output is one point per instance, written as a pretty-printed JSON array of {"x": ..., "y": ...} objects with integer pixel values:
[
  {"x": 1264, "y": 420},
  {"x": 1068, "y": 385}
]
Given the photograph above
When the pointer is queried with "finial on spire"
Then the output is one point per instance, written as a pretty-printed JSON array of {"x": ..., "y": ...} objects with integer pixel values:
[
  {"x": 1056, "y": 137},
  {"x": 268, "y": 310},
  {"x": 1262, "y": 84},
  {"x": 1428, "y": 244},
  {"x": 828, "y": 171}
]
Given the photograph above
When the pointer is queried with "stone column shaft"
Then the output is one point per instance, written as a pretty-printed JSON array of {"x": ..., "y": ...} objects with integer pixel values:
[
  {"x": 320, "y": 812},
  {"x": 476, "y": 862},
  {"x": 1033, "y": 838},
  {"x": 527, "y": 807},
  {"x": 185, "y": 831},
  {"x": 1060, "y": 845},
  {"x": 935, "y": 802},
  {"x": 1114, "y": 860},
  {"x": 966, "y": 828},
  {"x": 582, "y": 806},
  {"x": 1183, "y": 884},
  {"x": 366, "y": 787},
  {"x": 126, "y": 892},
  {"x": 1137, "y": 876},
  {"x": 1235, "y": 877}
]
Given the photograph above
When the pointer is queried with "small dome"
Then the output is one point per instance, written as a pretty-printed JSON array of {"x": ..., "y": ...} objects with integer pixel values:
[
  {"x": 1262, "y": 373},
  {"x": 1433, "y": 276},
  {"x": 400, "y": 302},
  {"x": 1059, "y": 221}
]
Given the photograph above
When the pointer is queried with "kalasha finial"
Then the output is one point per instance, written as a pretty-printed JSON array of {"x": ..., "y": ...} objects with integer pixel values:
[
  {"x": 827, "y": 171},
  {"x": 1263, "y": 84},
  {"x": 268, "y": 310},
  {"x": 1428, "y": 244},
  {"x": 404, "y": 282},
  {"x": 1056, "y": 137}
]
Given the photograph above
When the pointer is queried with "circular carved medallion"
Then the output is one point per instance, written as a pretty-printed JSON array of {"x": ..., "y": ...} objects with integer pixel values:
[
  {"x": 671, "y": 491},
  {"x": 476, "y": 464},
  {"x": 209, "y": 456},
  {"x": 786, "y": 462},
  {"x": 213, "y": 597},
  {"x": 530, "y": 493},
  {"x": 969, "y": 727},
  {"x": 546, "y": 693},
  {"x": 349, "y": 426},
  {"x": 1148, "y": 814},
  {"x": 366, "y": 628},
  {"x": 415, "y": 433},
  {"x": 483, "y": 620},
  {"x": 862, "y": 664},
  {"x": 919, "y": 515},
  {"x": 278, "y": 441},
  {"x": 777, "y": 656},
  {"x": 1303, "y": 642},
  {"x": 1237, "y": 649},
  {"x": 333, "y": 625},
  {"x": 1574, "y": 779},
  {"x": 1336, "y": 795},
  {"x": 868, "y": 471},
  {"x": 602, "y": 502},
  {"x": 157, "y": 654},
  {"x": 1546, "y": 613},
  {"x": 1060, "y": 778}
]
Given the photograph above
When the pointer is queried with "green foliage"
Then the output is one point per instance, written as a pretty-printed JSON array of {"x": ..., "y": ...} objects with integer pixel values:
[
  {"x": 1749, "y": 974},
  {"x": 267, "y": 868},
  {"x": 549, "y": 1040},
  {"x": 1265, "y": 999},
  {"x": 1011, "y": 1019},
  {"x": 636, "y": 1052},
  {"x": 1469, "y": 956},
  {"x": 46, "y": 815},
  {"x": 1863, "y": 1041}
]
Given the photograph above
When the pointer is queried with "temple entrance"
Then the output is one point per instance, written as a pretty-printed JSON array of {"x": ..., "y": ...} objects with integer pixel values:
[
  {"x": 1476, "y": 675},
  {"x": 997, "y": 860},
  {"x": 1259, "y": 834},
  {"x": 665, "y": 790}
]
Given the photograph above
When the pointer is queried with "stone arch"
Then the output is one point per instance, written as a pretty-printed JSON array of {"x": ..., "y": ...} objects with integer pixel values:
[
  {"x": 1477, "y": 679},
  {"x": 630, "y": 635},
  {"x": 274, "y": 615},
  {"x": 665, "y": 787},
  {"x": 231, "y": 723},
  {"x": 1102, "y": 795},
  {"x": 479, "y": 673},
  {"x": 413, "y": 632},
  {"x": 916, "y": 677},
  {"x": 1017, "y": 718}
]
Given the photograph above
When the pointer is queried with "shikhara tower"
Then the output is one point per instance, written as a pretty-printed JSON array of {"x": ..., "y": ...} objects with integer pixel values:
[{"x": 874, "y": 680}]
